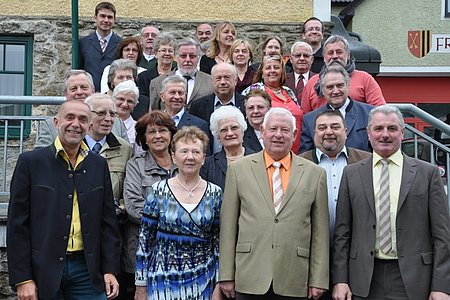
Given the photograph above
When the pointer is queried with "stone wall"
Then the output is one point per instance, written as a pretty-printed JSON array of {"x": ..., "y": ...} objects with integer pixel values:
[{"x": 52, "y": 43}]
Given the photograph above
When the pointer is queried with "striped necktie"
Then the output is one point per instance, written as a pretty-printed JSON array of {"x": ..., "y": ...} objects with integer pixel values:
[
  {"x": 103, "y": 44},
  {"x": 385, "y": 214},
  {"x": 277, "y": 187}
]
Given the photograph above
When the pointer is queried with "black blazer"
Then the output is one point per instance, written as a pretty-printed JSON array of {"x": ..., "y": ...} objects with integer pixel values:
[
  {"x": 189, "y": 120},
  {"x": 251, "y": 140},
  {"x": 92, "y": 59},
  {"x": 215, "y": 168},
  {"x": 39, "y": 219},
  {"x": 203, "y": 107}
]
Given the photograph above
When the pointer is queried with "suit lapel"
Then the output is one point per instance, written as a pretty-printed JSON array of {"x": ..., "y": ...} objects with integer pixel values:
[
  {"x": 294, "y": 180},
  {"x": 196, "y": 89},
  {"x": 408, "y": 174},
  {"x": 366, "y": 176},
  {"x": 259, "y": 171},
  {"x": 95, "y": 42}
]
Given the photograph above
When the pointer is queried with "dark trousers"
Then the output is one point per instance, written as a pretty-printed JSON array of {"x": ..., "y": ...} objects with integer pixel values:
[
  {"x": 76, "y": 283},
  {"x": 126, "y": 286},
  {"x": 387, "y": 282},
  {"x": 270, "y": 295}
]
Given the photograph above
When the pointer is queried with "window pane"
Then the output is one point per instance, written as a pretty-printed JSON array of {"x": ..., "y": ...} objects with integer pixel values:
[
  {"x": 11, "y": 84},
  {"x": 15, "y": 58},
  {"x": 2, "y": 47}
]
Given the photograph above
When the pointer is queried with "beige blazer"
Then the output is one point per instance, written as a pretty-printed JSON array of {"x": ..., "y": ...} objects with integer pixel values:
[{"x": 258, "y": 247}]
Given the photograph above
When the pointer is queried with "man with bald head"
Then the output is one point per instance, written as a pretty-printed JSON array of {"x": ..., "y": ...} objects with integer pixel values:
[
  {"x": 62, "y": 234},
  {"x": 78, "y": 85},
  {"x": 148, "y": 35}
]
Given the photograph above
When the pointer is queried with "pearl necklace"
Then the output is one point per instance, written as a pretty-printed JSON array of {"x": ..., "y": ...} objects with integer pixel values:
[{"x": 189, "y": 192}]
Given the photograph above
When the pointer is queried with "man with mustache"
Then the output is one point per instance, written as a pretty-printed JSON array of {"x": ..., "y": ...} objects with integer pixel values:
[
  {"x": 198, "y": 83},
  {"x": 331, "y": 154},
  {"x": 363, "y": 87},
  {"x": 391, "y": 239},
  {"x": 62, "y": 234},
  {"x": 334, "y": 83}
]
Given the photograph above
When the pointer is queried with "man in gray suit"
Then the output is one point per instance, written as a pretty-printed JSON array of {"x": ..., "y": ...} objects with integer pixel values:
[
  {"x": 78, "y": 86},
  {"x": 274, "y": 240},
  {"x": 392, "y": 234},
  {"x": 199, "y": 83}
]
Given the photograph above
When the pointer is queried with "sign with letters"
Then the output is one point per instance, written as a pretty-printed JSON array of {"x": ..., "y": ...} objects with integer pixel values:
[{"x": 422, "y": 42}]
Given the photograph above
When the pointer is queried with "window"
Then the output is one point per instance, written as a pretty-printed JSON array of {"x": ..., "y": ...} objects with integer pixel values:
[
  {"x": 16, "y": 61},
  {"x": 447, "y": 9}
]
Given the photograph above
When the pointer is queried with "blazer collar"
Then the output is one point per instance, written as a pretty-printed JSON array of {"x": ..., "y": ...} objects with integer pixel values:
[{"x": 408, "y": 175}]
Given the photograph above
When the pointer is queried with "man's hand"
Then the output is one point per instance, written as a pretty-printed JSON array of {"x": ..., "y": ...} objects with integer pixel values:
[
  {"x": 315, "y": 293},
  {"x": 438, "y": 296},
  {"x": 27, "y": 291},
  {"x": 111, "y": 286},
  {"x": 341, "y": 291},
  {"x": 141, "y": 293},
  {"x": 217, "y": 293},
  {"x": 227, "y": 288}
]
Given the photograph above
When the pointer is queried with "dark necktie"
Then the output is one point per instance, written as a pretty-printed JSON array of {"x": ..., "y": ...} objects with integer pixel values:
[
  {"x": 187, "y": 77},
  {"x": 96, "y": 148},
  {"x": 299, "y": 86}
]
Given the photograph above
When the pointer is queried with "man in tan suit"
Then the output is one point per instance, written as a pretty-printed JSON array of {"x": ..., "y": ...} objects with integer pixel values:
[{"x": 274, "y": 239}]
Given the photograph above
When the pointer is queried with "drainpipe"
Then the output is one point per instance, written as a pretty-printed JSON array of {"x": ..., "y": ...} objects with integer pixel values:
[{"x": 74, "y": 34}]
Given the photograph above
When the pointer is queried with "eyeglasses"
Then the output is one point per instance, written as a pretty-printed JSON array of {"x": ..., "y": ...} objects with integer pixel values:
[
  {"x": 312, "y": 28},
  {"x": 102, "y": 113},
  {"x": 170, "y": 51},
  {"x": 299, "y": 55},
  {"x": 184, "y": 56},
  {"x": 233, "y": 129},
  {"x": 153, "y": 131}
]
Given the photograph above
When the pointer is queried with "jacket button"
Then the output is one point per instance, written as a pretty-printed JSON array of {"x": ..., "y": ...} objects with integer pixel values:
[
  {"x": 65, "y": 238},
  {"x": 276, "y": 220},
  {"x": 373, "y": 226},
  {"x": 68, "y": 217},
  {"x": 371, "y": 253},
  {"x": 61, "y": 259},
  {"x": 70, "y": 197},
  {"x": 70, "y": 175}
]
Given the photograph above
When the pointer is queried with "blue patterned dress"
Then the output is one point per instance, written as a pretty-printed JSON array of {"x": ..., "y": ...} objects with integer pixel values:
[{"x": 178, "y": 252}]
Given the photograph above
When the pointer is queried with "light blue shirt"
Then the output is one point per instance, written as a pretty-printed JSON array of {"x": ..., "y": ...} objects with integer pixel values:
[
  {"x": 334, "y": 168},
  {"x": 107, "y": 38},
  {"x": 91, "y": 142}
]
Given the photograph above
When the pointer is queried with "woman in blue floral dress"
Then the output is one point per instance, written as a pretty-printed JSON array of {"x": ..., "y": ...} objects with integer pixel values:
[{"x": 178, "y": 248}]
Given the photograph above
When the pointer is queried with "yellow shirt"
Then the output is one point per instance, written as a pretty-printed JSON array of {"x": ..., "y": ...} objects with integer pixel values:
[
  {"x": 395, "y": 174},
  {"x": 75, "y": 242},
  {"x": 285, "y": 170}
]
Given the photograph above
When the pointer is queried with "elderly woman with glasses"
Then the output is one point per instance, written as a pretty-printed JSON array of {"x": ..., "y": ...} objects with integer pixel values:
[
  {"x": 154, "y": 133},
  {"x": 129, "y": 48},
  {"x": 228, "y": 126},
  {"x": 218, "y": 52},
  {"x": 125, "y": 96},
  {"x": 271, "y": 77},
  {"x": 178, "y": 250},
  {"x": 164, "y": 47}
]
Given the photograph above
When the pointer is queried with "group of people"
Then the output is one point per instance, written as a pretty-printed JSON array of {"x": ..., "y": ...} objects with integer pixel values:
[{"x": 194, "y": 169}]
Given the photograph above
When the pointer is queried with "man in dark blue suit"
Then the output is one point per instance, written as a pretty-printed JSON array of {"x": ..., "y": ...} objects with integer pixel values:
[
  {"x": 98, "y": 49},
  {"x": 335, "y": 87},
  {"x": 173, "y": 95},
  {"x": 224, "y": 79},
  {"x": 62, "y": 234}
]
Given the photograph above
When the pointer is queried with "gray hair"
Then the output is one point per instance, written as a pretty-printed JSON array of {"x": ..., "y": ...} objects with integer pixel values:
[
  {"x": 333, "y": 68},
  {"x": 386, "y": 110},
  {"x": 189, "y": 42},
  {"x": 173, "y": 79},
  {"x": 300, "y": 43},
  {"x": 335, "y": 39},
  {"x": 92, "y": 99},
  {"x": 148, "y": 26},
  {"x": 232, "y": 69},
  {"x": 225, "y": 112},
  {"x": 121, "y": 64},
  {"x": 279, "y": 111},
  {"x": 164, "y": 39},
  {"x": 74, "y": 72},
  {"x": 127, "y": 86}
]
